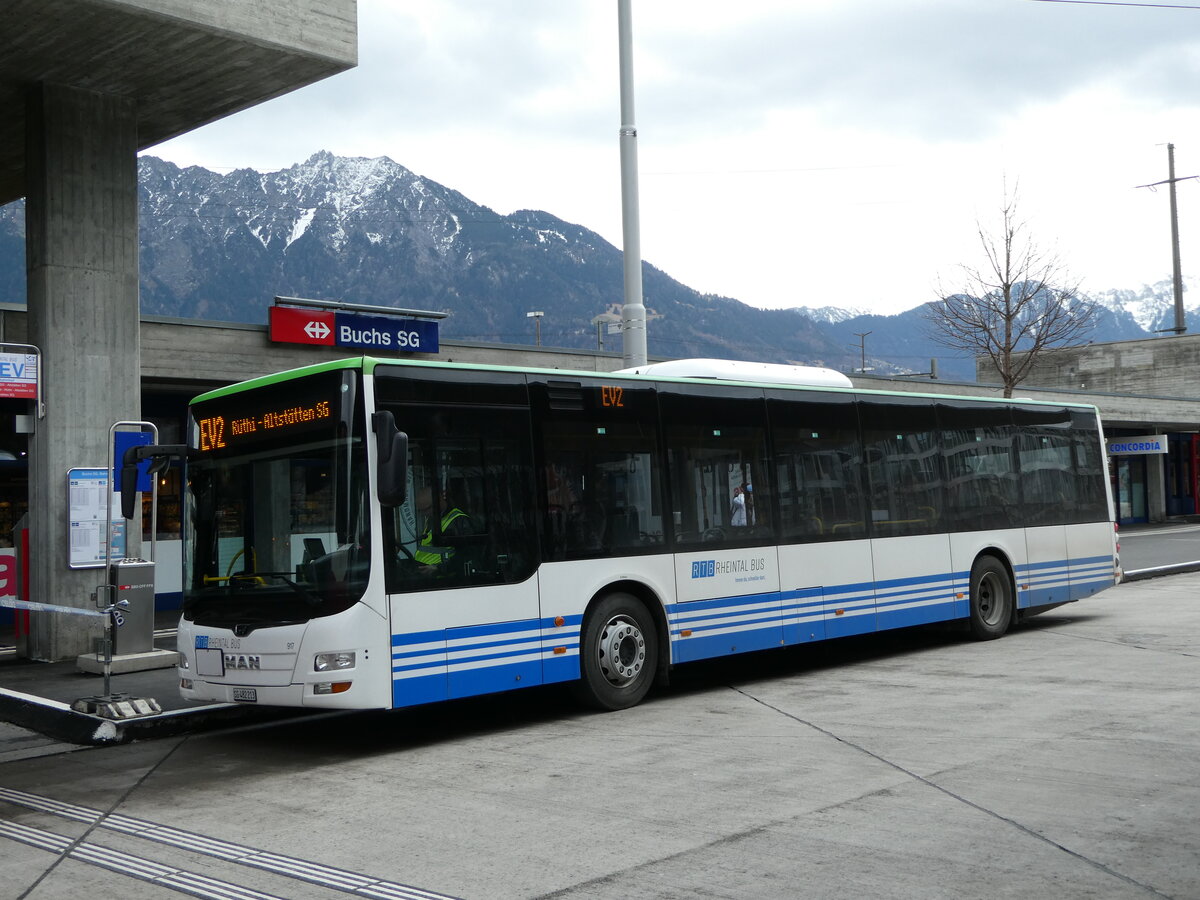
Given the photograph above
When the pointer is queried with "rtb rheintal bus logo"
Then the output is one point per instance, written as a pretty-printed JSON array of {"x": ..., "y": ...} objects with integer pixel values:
[{"x": 710, "y": 568}]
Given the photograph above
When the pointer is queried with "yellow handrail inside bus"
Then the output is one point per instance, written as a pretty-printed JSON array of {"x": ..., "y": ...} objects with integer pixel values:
[{"x": 229, "y": 573}]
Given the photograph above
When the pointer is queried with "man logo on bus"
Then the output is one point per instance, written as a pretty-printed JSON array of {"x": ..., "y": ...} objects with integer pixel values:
[{"x": 704, "y": 568}]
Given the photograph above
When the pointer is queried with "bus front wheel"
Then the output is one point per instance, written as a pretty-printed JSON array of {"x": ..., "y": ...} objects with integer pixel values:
[
  {"x": 991, "y": 599},
  {"x": 619, "y": 653}
]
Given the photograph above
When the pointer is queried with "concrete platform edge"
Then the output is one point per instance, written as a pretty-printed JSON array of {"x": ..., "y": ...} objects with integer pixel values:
[
  {"x": 1176, "y": 569},
  {"x": 93, "y": 663},
  {"x": 57, "y": 720}
]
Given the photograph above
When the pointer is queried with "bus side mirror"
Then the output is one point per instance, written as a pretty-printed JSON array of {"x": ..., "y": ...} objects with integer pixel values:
[{"x": 392, "y": 469}]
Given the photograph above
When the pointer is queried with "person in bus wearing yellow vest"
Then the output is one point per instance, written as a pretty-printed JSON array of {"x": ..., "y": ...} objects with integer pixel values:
[{"x": 454, "y": 521}]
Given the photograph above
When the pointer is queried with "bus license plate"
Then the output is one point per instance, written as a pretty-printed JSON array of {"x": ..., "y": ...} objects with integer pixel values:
[{"x": 246, "y": 695}]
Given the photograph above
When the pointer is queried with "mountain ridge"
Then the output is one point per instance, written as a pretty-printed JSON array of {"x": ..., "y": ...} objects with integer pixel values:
[{"x": 369, "y": 230}]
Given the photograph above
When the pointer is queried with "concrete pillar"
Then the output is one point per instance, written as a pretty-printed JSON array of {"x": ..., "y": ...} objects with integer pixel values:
[
  {"x": 1156, "y": 487},
  {"x": 82, "y": 258}
]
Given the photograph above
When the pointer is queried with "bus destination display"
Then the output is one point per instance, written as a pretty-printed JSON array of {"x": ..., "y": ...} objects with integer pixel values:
[{"x": 220, "y": 431}]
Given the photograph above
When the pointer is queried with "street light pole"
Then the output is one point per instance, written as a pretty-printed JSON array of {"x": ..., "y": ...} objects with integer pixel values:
[
  {"x": 633, "y": 313},
  {"x": 537, "y": 324}
]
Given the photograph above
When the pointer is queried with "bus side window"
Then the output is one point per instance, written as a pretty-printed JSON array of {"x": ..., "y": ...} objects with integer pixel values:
[
  {"x": 1089, "y": 469},
  {"x": 467, "y": 519},
  {"x": 600, "y": 468},
  {"x": 601, "y": 491},
  {"x": 1047, "y": 477},
  {"x": 904, "y": 467},
  {"x": 721, "y": 483},
  {"x": 818, "y": 459},
  {"x": 979, "y": 456}
]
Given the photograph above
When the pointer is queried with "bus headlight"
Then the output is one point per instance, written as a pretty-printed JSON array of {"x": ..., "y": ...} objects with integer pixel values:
[
  {"x": 183, "y": 661},
  {"x": 325, "y": 662}
]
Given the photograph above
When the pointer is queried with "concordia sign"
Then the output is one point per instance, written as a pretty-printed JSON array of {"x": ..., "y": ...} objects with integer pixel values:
[
  {"x": 338, "y": 328},
  {"x": 1141, "y": 444}
]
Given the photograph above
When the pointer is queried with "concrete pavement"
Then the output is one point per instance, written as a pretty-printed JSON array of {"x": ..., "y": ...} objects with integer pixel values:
[{"x": 1061, "y": 761}]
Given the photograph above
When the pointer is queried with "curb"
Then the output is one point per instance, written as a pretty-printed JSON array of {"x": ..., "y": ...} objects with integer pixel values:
[{"x": 1155, "y": 572}]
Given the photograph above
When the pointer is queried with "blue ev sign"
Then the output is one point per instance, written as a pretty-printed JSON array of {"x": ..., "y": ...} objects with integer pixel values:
[{"x": 1138, "y": 445}]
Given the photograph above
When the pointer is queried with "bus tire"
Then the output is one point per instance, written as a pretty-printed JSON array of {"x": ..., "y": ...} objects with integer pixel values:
[
  {"x": 618, "y": 653},
  {"x": 992, "y": 604}
]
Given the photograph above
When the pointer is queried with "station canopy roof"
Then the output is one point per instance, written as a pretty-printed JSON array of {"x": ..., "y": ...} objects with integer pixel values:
[{"x": 184, "y": 63}]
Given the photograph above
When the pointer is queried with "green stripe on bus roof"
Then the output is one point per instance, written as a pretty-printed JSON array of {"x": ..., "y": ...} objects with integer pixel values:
[
  {"x": 368, "y": 365},
  {"x": 357, "y": 362}
]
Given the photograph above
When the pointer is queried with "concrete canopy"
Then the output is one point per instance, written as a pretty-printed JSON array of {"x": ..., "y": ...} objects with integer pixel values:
[{"x": 184, "y": 63}]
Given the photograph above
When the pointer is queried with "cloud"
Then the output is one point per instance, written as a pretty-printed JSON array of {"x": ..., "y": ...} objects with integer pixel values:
[
  {"x": 775, "y": 136},
  {"x": 935, "y": 69}
]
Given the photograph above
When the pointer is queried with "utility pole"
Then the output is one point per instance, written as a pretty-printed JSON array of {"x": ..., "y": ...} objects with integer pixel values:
[
  {"x": 862, "y": 344},
  {"x": 1176, "y": 271}
]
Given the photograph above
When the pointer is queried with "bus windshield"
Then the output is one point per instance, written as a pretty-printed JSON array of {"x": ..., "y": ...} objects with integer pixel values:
[{"x": 278, "y": 511}]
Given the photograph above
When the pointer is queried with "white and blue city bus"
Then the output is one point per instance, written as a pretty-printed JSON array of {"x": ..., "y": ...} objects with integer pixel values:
[{"x": 376, "y": 533}]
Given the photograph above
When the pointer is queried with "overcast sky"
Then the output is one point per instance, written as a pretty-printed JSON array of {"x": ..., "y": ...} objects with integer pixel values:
[{"x": 791, "y": 152}]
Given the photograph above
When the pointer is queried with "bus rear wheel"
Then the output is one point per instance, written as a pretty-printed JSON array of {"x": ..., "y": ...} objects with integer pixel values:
[
  {"x": 991, "y": 599},
  {"x": 619, "y": 653}
]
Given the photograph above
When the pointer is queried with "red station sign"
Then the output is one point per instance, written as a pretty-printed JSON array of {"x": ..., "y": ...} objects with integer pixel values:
[{"x": 292, "y": 325}]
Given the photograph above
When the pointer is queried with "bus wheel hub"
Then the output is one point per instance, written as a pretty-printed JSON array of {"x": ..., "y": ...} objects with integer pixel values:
[{"x": 622, "y": 650}]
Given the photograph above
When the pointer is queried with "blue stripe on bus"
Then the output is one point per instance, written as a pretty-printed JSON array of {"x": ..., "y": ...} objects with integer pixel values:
[
  {"x": 706, "y": 646},
  {"x": 803, "y": 615},
  {"x": 414, "y": 691},
  {"x": 483, "y": 659},
  {"x": 459, "y": 662},
  {"x": 726, "y": 625},
  {"x": 419, "y": 637},
  {"x": 917, "y": 600},
  {"x": 721, "y": 601},
  {"x": 495, "y": 678},
  {"x": 900, "y": 614},
  {"x": 1061, "y": 581}
]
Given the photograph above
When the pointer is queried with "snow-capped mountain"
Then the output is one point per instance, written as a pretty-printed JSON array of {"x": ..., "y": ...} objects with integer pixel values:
[
  {"x": 1152, "y": 306},
  {"x": 371, "y": 231},
  {"x": 221, "y": 246},
  {"x": 832, "y": 315}
]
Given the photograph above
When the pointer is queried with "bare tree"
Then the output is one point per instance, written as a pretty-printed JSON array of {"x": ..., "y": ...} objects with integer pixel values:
[{"x": 1020, "y": 302}]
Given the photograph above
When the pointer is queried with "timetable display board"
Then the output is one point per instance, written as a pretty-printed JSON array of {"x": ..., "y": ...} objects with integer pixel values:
[{"x": 88, "y": 503}]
